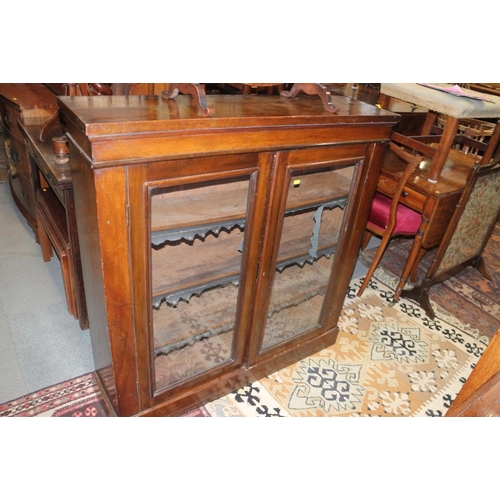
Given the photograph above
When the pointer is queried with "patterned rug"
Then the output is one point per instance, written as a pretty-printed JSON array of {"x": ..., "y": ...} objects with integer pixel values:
[
  {"x": 79, "y": 397},
  {"x": 389, "y": 360},
  {"x": 467, "y": 296}
]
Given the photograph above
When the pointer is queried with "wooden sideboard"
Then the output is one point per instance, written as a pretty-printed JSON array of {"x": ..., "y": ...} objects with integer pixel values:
[
  {"x": 31, "y": 104},
  {"x": 34, "y": 105},
  {"x": 216, "y": 250}
]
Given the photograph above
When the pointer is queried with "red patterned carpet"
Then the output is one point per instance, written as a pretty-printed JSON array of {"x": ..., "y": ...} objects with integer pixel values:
[{"x": 79, "y": 397}]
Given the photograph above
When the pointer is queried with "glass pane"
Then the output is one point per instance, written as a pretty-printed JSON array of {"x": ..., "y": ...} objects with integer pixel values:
[
  {"x": 197, "y": 235},
  {"x": 313, "y": 218}
]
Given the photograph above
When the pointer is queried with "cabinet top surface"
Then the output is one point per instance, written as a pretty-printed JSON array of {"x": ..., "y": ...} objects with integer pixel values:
[
  {"x": 107, "y": 115},
  {"x": 28, "y": 95}
]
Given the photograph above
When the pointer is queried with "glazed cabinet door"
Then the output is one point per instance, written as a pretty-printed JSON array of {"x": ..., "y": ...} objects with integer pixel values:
[
  {"x": 204, "y": 219},
  {"x": 307, "y": 233}
]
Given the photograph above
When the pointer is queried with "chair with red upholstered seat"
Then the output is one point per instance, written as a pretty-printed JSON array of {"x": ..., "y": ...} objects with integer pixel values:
[{"x": 389, "y": 218}]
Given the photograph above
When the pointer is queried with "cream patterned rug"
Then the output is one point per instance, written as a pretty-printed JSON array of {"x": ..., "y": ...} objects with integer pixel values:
[{"x": 388, "y": 361}]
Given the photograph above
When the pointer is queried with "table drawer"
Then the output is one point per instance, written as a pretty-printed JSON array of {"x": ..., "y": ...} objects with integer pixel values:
[
  {"x": 439, "y": 219},
  {"x": 17, "y": 155},
  {"x": 409, "y": 197},
  {"x": 23, "y": 192},
  {"x": 9, "y": 117}
]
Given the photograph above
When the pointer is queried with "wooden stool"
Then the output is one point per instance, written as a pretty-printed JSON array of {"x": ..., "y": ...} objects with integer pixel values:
[{"x": 451, "y": 107}]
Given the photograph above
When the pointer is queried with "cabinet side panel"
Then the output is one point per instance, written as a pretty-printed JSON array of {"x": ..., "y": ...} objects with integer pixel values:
[
  {"x": 86, "y": 218},
  {"x": 100, "y": 203},
  {"x": 112, "y": 220}
]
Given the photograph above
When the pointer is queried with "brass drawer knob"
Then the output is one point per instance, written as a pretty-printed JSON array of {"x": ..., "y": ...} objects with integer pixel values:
[
  {"x": 15, "y": 156},
  {"x": 7, "y": 119}
]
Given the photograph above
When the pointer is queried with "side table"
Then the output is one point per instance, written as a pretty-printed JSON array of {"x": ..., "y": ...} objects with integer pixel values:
[{"x": 55, "y": 211}]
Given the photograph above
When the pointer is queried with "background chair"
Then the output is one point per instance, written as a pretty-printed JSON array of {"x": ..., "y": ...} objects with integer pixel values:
[
  {"x": 389, "y": 218},
  {"x": 474, "y": 146},
  {"x": 472, "y": 136}
]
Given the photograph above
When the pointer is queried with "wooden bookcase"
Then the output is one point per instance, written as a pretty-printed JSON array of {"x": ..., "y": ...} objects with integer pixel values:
[{"x": 218, "y": 249}]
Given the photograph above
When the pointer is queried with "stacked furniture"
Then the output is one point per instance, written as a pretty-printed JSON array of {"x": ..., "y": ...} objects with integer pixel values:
[
  {"x": 439, "y": 101},
  {"x": 216, "y": 248},
  {"x": 436, "y": 186}
]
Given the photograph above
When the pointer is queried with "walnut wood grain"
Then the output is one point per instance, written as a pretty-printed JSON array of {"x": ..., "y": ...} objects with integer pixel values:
[{"x": 480, "y": 395}]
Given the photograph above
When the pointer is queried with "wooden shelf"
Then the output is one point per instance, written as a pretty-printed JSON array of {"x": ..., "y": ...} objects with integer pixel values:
[
  {"x": 186, "y": 269},
  {"x": 186, "y": 213},
  {"x": 212, "y": 313},
  {"x": 198, "y": 206}
]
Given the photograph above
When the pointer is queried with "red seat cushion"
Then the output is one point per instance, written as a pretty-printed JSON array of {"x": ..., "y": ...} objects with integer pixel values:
[{"x": 408, "y": 221}]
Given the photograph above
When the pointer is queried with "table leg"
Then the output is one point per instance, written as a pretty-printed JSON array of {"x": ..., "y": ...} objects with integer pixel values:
[
  {"x": 75, "y": 262},
  {"x": 430, "y": 119},
  {"x": 445, "y": 144},
  {"x": 383, "y": 101}
]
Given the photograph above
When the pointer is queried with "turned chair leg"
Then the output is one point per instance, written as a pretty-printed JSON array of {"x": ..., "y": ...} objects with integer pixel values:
[
  {"x": 413, "y": 274},
  {"x": 45, "y": 243},
  {"x": 410, "y": 262},
  {"x": 375, "y": 262}
]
